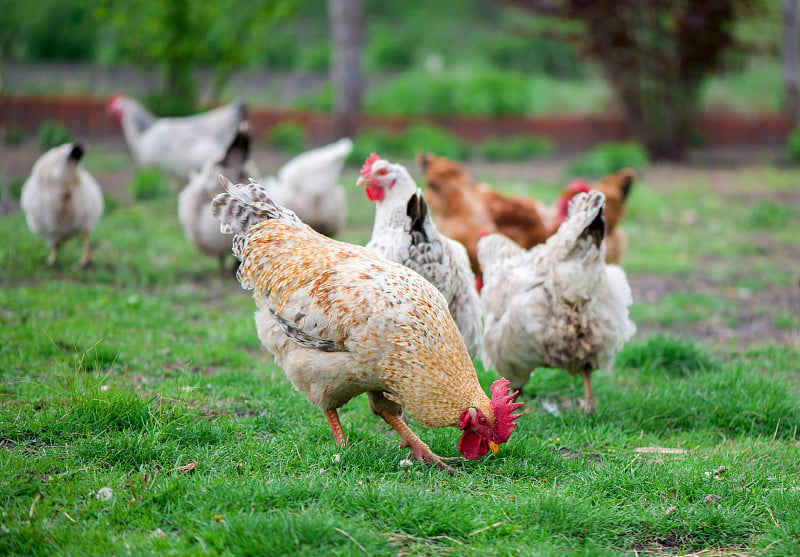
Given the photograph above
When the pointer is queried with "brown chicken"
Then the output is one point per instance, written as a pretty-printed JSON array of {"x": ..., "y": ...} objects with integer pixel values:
[
  {"x": 341, "y": 321},
  {"x": 526, "y": 221},
  {"x": 615, "y": 187}
]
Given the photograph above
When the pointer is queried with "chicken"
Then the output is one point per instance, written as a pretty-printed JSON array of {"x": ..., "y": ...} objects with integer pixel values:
[
  {"x": 458, "y": 213},
  {"x": 309, "y": 185},
  {"x": 341, "y": 321},
  {"x": 178, "y": 146},
  {"x": 528, "y": 222},
  {"x": 403, "y": 232},
  {"x": 61, "y": 199},
  {"x": 616, "y": 188},
  {"x": 556, "y": 305},
  {"x": 194, "y": 202}
]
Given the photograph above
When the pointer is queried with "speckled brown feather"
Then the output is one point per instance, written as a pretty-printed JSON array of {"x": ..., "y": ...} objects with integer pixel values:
[{"x": 393, "y": 327}]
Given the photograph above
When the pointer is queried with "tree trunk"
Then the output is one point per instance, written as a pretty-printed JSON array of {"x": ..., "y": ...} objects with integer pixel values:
[
  {"x": 346, "y": 19},
  {"x": 791, "y": 104}
]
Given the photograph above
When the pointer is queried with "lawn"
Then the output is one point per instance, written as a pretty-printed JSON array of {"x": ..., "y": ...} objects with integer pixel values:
[{"x": 140, "y": 415}]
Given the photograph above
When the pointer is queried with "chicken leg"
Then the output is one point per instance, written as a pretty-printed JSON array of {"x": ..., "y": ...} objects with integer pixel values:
[
  {"x": 336, "y": 426},
  {"x": 588, "y": 399},
  {"x": 419, "y": 449},
  {"x": 87, "y": 249}
]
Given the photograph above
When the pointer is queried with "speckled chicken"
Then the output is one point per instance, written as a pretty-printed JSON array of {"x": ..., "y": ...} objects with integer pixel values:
[
  {"x": 404, "y": 232},
  {"x": 194, "y": 202},
  {"x": 557, "y": 304},
  {"x": 309, "y": 185},
  {"x": 61, "y": 199},
  {"x": 342, "y": 321}
]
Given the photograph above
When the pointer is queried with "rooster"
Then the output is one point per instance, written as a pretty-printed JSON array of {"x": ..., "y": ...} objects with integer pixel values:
[
  {"x": 308, "y": 184},
  {"x": 341, "y": 321},
  {"x": 194, "y": 202},
  {"x": 178, "y": 146},
  {"x": 404, "y": 233},
  {"x": 61, "y": 199},
  {"x": 558, "y": 304}
]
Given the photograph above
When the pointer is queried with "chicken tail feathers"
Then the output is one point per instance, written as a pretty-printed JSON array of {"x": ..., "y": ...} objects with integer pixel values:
[
  {"x": 243, "y": 205},
  {"x": 587, "y": 209},
  {"x": 417, "y": 211},
  {"x": 76, "y": 153}
]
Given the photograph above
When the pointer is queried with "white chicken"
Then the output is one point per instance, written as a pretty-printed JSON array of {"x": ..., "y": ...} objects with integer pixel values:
[
  {"x": 404, "y": 232},
  {"x": 309, "y": 185},
  {"x": 341, "y": 321},
  {"x": 194, "y": 202},
  {"x": 557, "y": 304},
  {"x": 178, "y": 146},
  {"x": 61, "y": 199}
]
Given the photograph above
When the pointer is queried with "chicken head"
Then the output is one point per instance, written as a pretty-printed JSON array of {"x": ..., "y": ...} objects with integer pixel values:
[{"x": 483, "y": 433}]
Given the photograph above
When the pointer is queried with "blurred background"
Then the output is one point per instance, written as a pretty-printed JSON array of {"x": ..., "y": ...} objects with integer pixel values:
[{"x": 558, "y": 75}]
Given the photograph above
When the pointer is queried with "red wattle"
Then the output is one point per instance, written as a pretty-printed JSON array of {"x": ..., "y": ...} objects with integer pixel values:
[
  {"x": 472, "y": 445},
  {"x": 375, "y": 193}
]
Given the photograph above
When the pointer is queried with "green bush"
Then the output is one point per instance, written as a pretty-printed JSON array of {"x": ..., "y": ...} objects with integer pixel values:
[
  {"x": 793, "y": 145},
  {"x": 289, "y": 136},
  {"x": 52, "y": 134},
  {"x": 320, "y": 101},
  {"x": 15, "y": 187},
  {"x": 477, "y": 92},
  {"x": 606, "y": 158},
  {"x": 516, "y": 148},
  {"x": 404, "y": 145},
  {"x": 148, "y": 184},
  {"x": 387, "y": 51}
]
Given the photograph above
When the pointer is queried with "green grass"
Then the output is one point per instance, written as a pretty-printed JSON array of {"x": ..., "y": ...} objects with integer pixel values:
[{"x": 143, "y": 374}]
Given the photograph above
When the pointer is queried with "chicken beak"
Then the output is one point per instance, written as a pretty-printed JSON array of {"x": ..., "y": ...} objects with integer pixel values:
[
  {"x": 361, "y": 182},
  {"x": 493, "y": 446}
]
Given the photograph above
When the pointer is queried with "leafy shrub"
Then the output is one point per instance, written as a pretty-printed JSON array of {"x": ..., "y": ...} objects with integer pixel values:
[
  {"x": 162, "y": 103},
  {"x": 315, "y": 58},
  {"x": 289, "y": 136},
  {"x": 321, "y": 100},
  {"x": 13, "y": 134},
  {"x": 492, "y": 92},
  {"x": 606, "y": 158},
  {"x": 793, "y": 145},
  {"x": 52, "y": 134},
  {"x": 388, "y": 51},
  {"x": 413, "y": 94},
  {"x": 516, "y": 148},
  {"x": 149, "y": 184},
  {"x": 479, "y": 92},
  {"x": 15, "y": 187},
  {"x": 406, "y": 144}
]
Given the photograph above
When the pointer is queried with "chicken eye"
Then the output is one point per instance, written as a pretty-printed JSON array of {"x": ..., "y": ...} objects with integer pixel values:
[
  {"x": 482, "y": 420},
  {"x": 382, "y": 172}
]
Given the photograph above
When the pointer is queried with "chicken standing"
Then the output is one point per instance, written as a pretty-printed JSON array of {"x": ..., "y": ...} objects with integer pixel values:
[
  {"x": 178, "y": 146},
  {"x": 194, "y": 202},
  {"x": 309, "y": 185},
  {"x": 556, "y": 305},
  {"x": 61, "y": 199},
  {"x": 403, "y": 232},
  {"x": 342, "y": 321}
]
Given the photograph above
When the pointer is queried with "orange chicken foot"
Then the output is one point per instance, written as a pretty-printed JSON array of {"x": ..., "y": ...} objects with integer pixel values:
[
  {"x": 419, "y": 449},
  {"x": 336, "y": 426}
]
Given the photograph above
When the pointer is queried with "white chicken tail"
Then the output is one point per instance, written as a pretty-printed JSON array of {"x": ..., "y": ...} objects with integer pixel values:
[
  {"x": 243, "y": 205},
  {"x": 585, "y": 217}
]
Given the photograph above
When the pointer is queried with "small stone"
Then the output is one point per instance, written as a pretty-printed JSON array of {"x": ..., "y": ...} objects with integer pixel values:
[
  {"x": 711, "y": 499},
  {"x": 104, "y": 494}
]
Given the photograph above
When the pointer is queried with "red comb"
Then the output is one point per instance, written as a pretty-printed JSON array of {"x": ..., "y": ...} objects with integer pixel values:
[
  {"x": 502, "y": 406},
  {"x": 367, "y": 168},
  {"x": 579, "y": 185}
]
